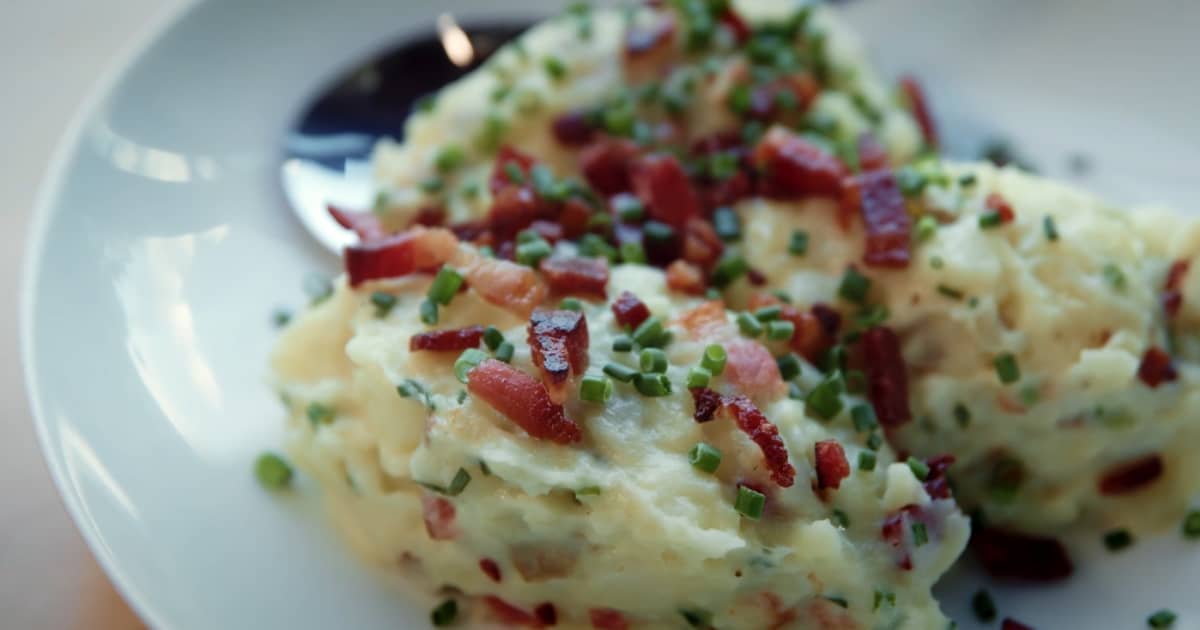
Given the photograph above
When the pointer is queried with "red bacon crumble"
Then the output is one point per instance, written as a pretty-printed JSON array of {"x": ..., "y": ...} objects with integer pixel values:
[
  {"x": 1131, "y": 476},
  {"x": 1003, "y": 209},
  {"x": 513, "y": 209},
  {"x": 815, "y": 330},
  {"x": 576, "y": 276},
  {"x": 511, "y": 615},
  {"x": 701, "y": 245},
  {"x": 1156, "y": 368},
  {"x": 1012, "y": 624},
  {"x": 523, "y": 400},
  {"x": 605, "y": 165},
  {"x": 365, "y": 224},
  {"x": 751, "y": 369},
  {"x": 685, "y": 277},
  {"x": 607, "y": 619},
  {"x": 794, "y": 168},
  {"x": 1172, "y": 297},
  {"x": 830, "y": 462},
  {"x": 736, "y": 25},
  {"x": 418, "y": 249},
  {"x": 490, "y": 569},
  {"x": 572, "y": 129},
  {"x": 558, "y": 343},
  {"x": 546, "y": 613},
  {"x": 887, "y": 377},
  {"x": 506, "y": 155},
  {"x": 937, "y": 486},
  {"x": 893, "y": 533},
  {"x": 885, "y": 217},
  {"x": 574, "y": 218},
  {"x": 1019, "y": 556},
  {"x": 438, "y": 514},
  {"x": 629, "y": 311},
  {"x": 663, "y": 186},
  {"x": 506, "y": 284},
  {"x": 755, "y": 425},
  {"x": 871, "y": 154},
  {"x": 446, "y": 340},
  {"x": 707, "y": 403},
  {"x": 920, "y": 109}
]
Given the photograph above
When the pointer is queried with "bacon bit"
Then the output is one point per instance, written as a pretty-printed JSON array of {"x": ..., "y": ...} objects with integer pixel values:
[
  {"x": 707, "y": 403},
  {"x": 1172, "y": 298},
  {"x": 643, "y": 41},
  {"x": 887, "y": 377},
  {"x": 365, "y": 224},
  {"x": 759, "y": 429},
  {"x": 438, "y": 514},
  {"x": 751, "y": 369},
  {"x": 506, "y": 284},
  {"x": 558, "y": 341},
  {"x": 629, "y": 311},
  {"x": 1011, "y": 555},
  {"x": 725, "y": 192},
  {"x": 523, "y": 400},
  {"x": 704, "y": 321},
  {"x": 574, "y": 218},
  {"x": 885, "y": 216},
  {"x": 546, "y": 613},
  {"x": 1156, "y": 367},
  {"x": 573, "y": 130},
  {"x": 998, "y": 204},
  {"x": 608, "y": 619},
  {"x": 1131, "y": 476},
  {"x": 893, "y": 534},
  {"x": 795, "y": 168},
  {"x": 418, "y": 249},
  {"x": 490, "y": 569},
  {"x": 936, "y": 484},
  {"x": 446, "y": 340},
  {"x": 701, "y": 245},
  {"x": 781, "y": 617},
  {"x": 605, "y": 165},
  {"x": 814, "y": 335},
  {"x": 1012, "y": 624},
  {"x": 513, "y": 209},
  {"x": 830, "y": 462},
  {"x": 576, "y": 276},
  {"x": 506, "y": 155},
  {"x": 511, "y": 615},
  {"x": 920, "y": 109},
  {"x": 685, "y": 277},
  {"x": 755, "y": 277},
  {"x": 736, "y": 25},
  {"x": 661, "y": 183},
  {"x": 871, "y": 154}
]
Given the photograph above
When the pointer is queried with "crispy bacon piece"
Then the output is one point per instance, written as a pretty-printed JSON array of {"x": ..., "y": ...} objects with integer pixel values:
[
  {"x": 607, "y": 619},
  {"x": 701, "y": 245},
  {"x": 937, "y": 486},
  {"x": 574, "y": 218},
  {"x": 506, "y": 155},
  {"x": 605, "y": 165},
  {"x": 446, "y": 340},
  {"x": 704, "y": 321},
  {"x": 629, "y": 311},
  {"x": 572, "y": 129},
  {"x": 816, "y": 331},
  {"x": 829, "y": 459},
  {"x": 878, "y": 199},
  {"x": 490, "y": 569},
  {"x": 871, "y": 154},
  {"x": 684, "y": 277},
  {"x": 438, "y": 514},
  {"x": 1131, "y": 476},
  {"x": 546, "y": 613},
  {"x": 1019, "y": 556},
  {"x": 893, "y": 533},
  {"x": 576, "y": 276},
  {"x": 1172, "y": 297},
  {"x": 506, "y": 284},
  {"x": 513, "y": 209},
  {"x": 707, "y": 403},
  {"x": 661, "y": 183},
  {"x": 523, "y": 400},
  {"x": 418, "y": 249},
  {"x": 751, "y": 369},
  {"x": 887, "y": 376},
  {"x": 558, "y": 342},
  {"x": 759, "y": 429},
  {"x": 794, "y": 168},
  {"x": 736, "y": 25},
  {"x": 365, "y": 224},
  {"x": 511, "y": 615},
  {"x": 1156, "y": 368},
  {"x": 1012, "y": 624},
  {"x": 1003, "y": 209},
  {"x": 920, "y": 109}
]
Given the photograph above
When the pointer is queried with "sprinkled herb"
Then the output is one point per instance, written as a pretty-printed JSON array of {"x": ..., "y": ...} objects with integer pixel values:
[
  {"x": 505, "y": 351},
  {"x": 825, "y": 400},
  {"x": 866, "y": 460},
  {"x": 653, "y": 385},
  {"x": 281, "y": 317},
  {"x": 713, "y": 359},
  {"x": 936, "y": 262},
  {"x": 968, "y": 180},
  {"x": 919, "y": 534},
  {"x": 384, "y": 302},
  {"x": 426, "y": 103},
  {"x": 863, "y": 417},
  {"x": 749, "y": 502},
  {"x": 1161, "y": 619},
  {"x": 871, "y": 317},
  {"x": 445, "y": 286},
  {"x": 653, "y": 360},
  {"x": 911, "y": 181},
  {"x": 722, "y": 165},
  {"x": 588, "y": 491},
  {"x": 919, "y": 468},
  {"x": 854, "y": 286},
  {"x": 697, "y": 618},
  {"x": 272, "y": 471},
  {"x": 1029, "y": 395},
  {"x": 633, "y": 253},
  {"x": 467, "y": 361},
  {"x": 989, "y": 220},
  {"x": 962, "y": 415},
  {"x": 884, "y": 598},
  {"x": 492, "y": 338},
  {"x": 533, "y": 252},
  {"x": 492, "y": 134},
  {"x": 623, "y": 343},
  {"x": 782, "y": 295},
  {"x": 780, "y": 330},
  {"x": 789, "y": 366},
  {"x": 752, "y": 132},
  {"x": 1050, "y": 228},
  {"x": 983, "y": 605},
  {"x": 651, "y": 334},
  {"x": 705, "y": 457},
  {"x": 319, "y": 413},
  {"x": 727, "y": 224},
  {"x": 1005, "y": 479},
  {"x": 596, "y": 389},
  {"x": 570, "y": 304},
  {"x": 841, "y": 519},
  {"x": 629, "y": 208},
  {"x": 318, "y": 287},
  {"x": 594, "y": 246},
  {"x": 656, "y": 232},
  {"x": 449, "y": 158},
  {"x": 950, "y": 292},
  {"x": 698, "y": 377},
  {"x": 739, "y": 99},
  {"x": 1006, "y": 368},
  {"x": 432, "y": 185},
  {"x": 459, "y": 483},
  {"x": 444, "y": 614},
  {"x": 555, "y": 68},
  {"x": 1191, "y": 525},
  {"x": 749, "y": 325},
  {"x": 1114, "y": 276},
  {"x": 768, "y": 313},
  {"x": 874, "y": 441},
  {"x": 619, "y": 121},
  {"x": 1118, "y": 539},
  {"x": 620, "y": 372},
  {"x": 730, "y": 267}
]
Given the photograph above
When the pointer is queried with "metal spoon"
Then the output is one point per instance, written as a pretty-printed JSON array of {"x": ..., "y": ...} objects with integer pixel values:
[{"x": 327, "y": 149}]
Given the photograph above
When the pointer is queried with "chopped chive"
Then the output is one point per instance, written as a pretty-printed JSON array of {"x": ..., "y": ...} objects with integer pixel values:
[
  {"x": 866, "y": 460},
  {"x": 555, "y": 68},
  {"x": 697, "y": 618},
  {"x": 727, "y": 224},
  {"x": 768, "y": 313},
  {"x": 874, "y": 441},
  {"x": 281, "y": 317},
  {"x": 504, "y": 352},
  {"x": 911, "y": 181},
  {"x": 623, "y": 343},
  {"x": 962, "y": 415},
  {"x": 698, "y": 377},
  {"x": 749, "y": 503},
  {"x": 936, "y": 262},
  {"x": 650, "y": 333},
  {"x": 528, "y": 236},
  {"x": 968, "y": 180},
  {"x": 841, "y": 519},
  {"x": 596, "y": 389},
  {"x": 589, "y": 491},
  {"x": 798, "y": 244},
  {"x": 620, "y": 372},
  {"x": 272, "y": 471},
  {"x": 533, "y": 252},
  {"x": 319, "y": 414},
  {"x": 730, "y": 267},
  {"x": 705, "y": 457},
  {"x": 919, "y": 534},
  {"x": 570, "y": 304},
  {"x": 1161, "y": 619},
  {"x": 1114, "y": 276},
  {"x": 429, "y": 312},
  {"x": 825, "y": 399},
  {"x": 426, "y": 103},
  {"x": 989, "y": 220},
  {"x": 919, "y": 468},
  {"x": 1006, "y": 368},
  {"x": 485, "y": 469},
  {"x": 884, "y": 598},
  {"x": 384, "y": 303},
  {"x": 629, "y": 208},
  {"x": 749, "y": 325},
  {"x": 854, "y": 286},
  {"x": 983, "y": 605},
  {"x": 780, "y": 330},
  {"x": 432, "y": 185},
  {"x": 739, "y": 99},
  {"x": 925, "y": 228},
  {"x": 632, "y": 252},
  {"x": 445, "y": 286},
  {"x": 656, "y": 232},
  {"x": 863, "y": 417},
  {"x": 653, "y": 360},
  {"x": 1029, "y": 395},
  {"x": 653, "y": 385},
  {"x": 1118, "y": 539},
  {"x": 950, "y": 292},
  {"x": 444, "y": 614},
  {"x": 459, "y": 483},
  {"x": 449, "y": 158},
  {"x": 1050, "y": 228},
  {"x": 789, "y": 366},
  {"x": 467, "y": 361},
  {"x": 782, "y": 295},
  {"x": 1191, "y": 525},
  {"x": 492, "y": 337},
  {"x": 713, "y": 359}
]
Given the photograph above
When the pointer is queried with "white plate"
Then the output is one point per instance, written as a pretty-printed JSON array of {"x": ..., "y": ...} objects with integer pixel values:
[{"x": 162, "y": 244}]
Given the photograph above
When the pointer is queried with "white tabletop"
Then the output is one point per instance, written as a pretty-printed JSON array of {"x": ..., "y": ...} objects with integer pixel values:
[{"x": 54, "y": 50}]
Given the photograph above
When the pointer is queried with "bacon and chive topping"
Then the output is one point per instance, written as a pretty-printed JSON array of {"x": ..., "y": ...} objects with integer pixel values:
[
  {"x": 523, "y": 400},
  {"x": 983, "y": 605},
  {"x": 446, "y": 340},
  {"x": 1131, "y": 476},
  {"x": 272, "y": 471},
  {"x": 1118, "y": 539},
  {"x": 749, "y": 502},
  {"x": 444, "y": 614},
  {"x": 705, "y": 457},
  {"x": 1011, "y": 555},
  {"x": 558, "y": 343},
  {"x": 1161, "y": 619},
  {"x": 1156, "y": 368},
  {"x": 830, "y": 463}
]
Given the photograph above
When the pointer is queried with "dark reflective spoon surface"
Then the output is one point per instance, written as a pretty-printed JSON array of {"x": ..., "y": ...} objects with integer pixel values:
[{"x": 327, "y": 148}]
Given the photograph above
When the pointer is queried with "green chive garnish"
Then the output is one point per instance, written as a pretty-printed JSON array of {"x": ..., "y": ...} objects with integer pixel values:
[
  {"x": 633, "y": 253},
  {"x": 705, "y": 457},
  {"x": 273, "y": 472},
  {"x": 459, "y": 483},
  {"x": 920, "y": 535},
  {"x": 1118, "y": 539},
  {"x": 919, "y": 468},
  {"x": 449, "y": 158},
  {"x": 866, "y": 460},
  {"x": 780, "y": 330},
  {"x": 555, "y": 68},
  {"x": 504, "y": 352},
  {"x": 445, "y": 286},
  {"x": 697, "y": 618},
  {"x": 1114, "y": 276},
  {"x": 698, "y": 377},
  {"x": 798, "y": 244},
  {"x": 749, "y": 502},
  {"x": 533, "y": 252},
  {"x": 1006, "y": 368},
  {"x": 429, "y": 312},
  {"x": 653, "y": 360},
  {"x": 384, "y": 302},
  {"x": 281, "y": 317},
  {"x": 1161, "y": 619},
  {"x": 444, "y": 614},
  {"x": 874, "y": 441},
  {"x": 629, "y": 208},
  {"x": 983, "y": 605},
  {"x": 594, "y": 246},
  {"x": 714, "y": 359},
  {"x": 570, "y": 304},
  {"x": 854, "y": 286},
  {"x": 768, "y": 313},
  {"x": 749, "y": 324},
  {"x": 789, "y": 366},
  {"x": 656, "y": 232},
  {"x": 492, "y": 338},
  {"x": 623, "y": 343},
  {"x": 925, "y": 228},
  {"x": 884, "y": 598},
  {"x": 824, "y": 401},
  {"x": 727, "y": 224},
  {"x": 319, "y": 414},
  {"x": 650, "y": 333},
  {"x": 1050, "y": 228},
  {"x": 1191, "y": 525},
  {"x": 730, "y": 267},
  {"x": 620, "y": 372},
  {"x": 652, "y": 384},
  {"x": 863, "y": 417},
  {"x": 950, "y": 292},
  {"x": 467, "y": 361},
  {"x": 596, "y": 389}
]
